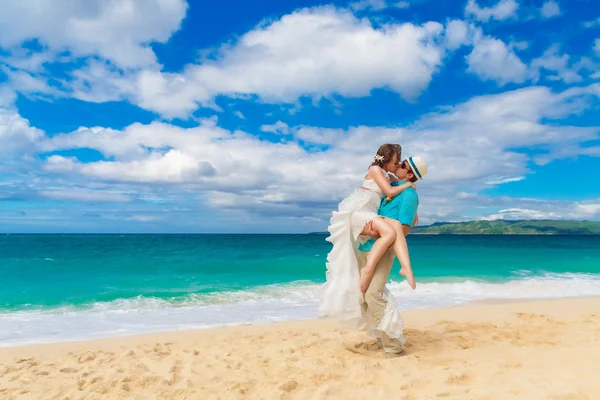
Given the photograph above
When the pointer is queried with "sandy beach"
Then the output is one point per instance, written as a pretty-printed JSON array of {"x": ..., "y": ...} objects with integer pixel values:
[{"x": 524, "y": 350}]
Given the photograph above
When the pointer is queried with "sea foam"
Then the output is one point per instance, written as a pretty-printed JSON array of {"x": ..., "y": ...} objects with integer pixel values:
[{"x": 263, "y": 304}]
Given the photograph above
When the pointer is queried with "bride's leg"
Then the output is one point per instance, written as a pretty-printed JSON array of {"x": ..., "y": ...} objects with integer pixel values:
[
  {"x": 401, "y": 249},
  {"x": 387, "y": 235}
]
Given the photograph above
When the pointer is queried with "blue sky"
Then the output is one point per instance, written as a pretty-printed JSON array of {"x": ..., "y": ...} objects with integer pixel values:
[{"x": 231, "y": 116}]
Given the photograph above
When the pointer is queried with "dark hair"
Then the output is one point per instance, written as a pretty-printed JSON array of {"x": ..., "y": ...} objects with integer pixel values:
[{"x": 387, "y": 151}]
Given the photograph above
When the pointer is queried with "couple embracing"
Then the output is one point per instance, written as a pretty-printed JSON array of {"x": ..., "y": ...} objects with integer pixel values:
[{"x": 367, "y": 232}]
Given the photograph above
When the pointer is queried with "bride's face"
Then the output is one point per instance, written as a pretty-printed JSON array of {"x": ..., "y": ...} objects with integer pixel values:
[{"x": 392, "y": 164}]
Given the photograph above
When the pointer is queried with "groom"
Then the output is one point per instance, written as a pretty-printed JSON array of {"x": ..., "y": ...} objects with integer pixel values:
[{"x": 404, "y": 209}]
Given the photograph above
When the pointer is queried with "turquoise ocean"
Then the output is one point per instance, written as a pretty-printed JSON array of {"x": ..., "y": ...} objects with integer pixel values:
[{"x": 72, "y": 287}]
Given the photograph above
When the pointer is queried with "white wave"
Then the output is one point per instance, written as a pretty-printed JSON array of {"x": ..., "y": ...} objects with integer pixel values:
[{"x": 261, "y": 305}]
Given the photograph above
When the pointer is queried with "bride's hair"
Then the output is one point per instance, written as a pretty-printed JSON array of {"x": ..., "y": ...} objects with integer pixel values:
[{"x": 386, "y": 153}]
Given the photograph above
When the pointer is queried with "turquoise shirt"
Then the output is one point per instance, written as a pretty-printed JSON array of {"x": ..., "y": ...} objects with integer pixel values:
[{"x": 402, "y": 208}]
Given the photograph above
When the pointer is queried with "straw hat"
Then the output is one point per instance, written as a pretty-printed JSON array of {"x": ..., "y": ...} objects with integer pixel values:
[{"x": 418, "y": 166}]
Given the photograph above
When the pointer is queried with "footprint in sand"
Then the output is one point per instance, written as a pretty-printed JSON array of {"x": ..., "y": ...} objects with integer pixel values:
[
  {"x": 462, "y": 379},
  {"x": 414, "y": 384},
  {"x": 289, "y": 385},
  {"x": 86, "y": 357},
  {"x": 162, "y": 351},
  {"x": 175, "y": 371},
  {"x": 530, "y": 316},
  {"x": 82, "y": 384},
  {"x": 504, "y": 366},
  {"x": 96, "y": 379},
  {"x": 69, "y": 370},
  {"x": 454, "y": 395},
  {"x": 146, "y": 381}
]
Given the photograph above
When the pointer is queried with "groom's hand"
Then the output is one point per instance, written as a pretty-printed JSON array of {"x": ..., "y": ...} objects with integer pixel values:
[{"x": 369, "y": 231}]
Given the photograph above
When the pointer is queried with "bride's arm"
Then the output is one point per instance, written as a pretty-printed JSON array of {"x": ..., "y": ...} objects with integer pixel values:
[{"x": 390, "y": 191}]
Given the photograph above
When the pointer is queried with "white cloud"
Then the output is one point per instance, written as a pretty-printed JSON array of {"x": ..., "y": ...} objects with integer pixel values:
[
  {"x": 550, "y": 9},
  {"x": 60, "y": 164},
  {"x": 568, "y": 150},
  {"x": 26, "y": 83},
  {"x": 468, "y": 148},
  {"x": 590, "y": 208},
  {"x": 85, "y": 195},
  {"x": 18, "y": 139},
  {"x": 117, "y": 30},
  {"x": 470, "y": 206},
  {"x": 143, "y": 218},
  {"x": 7, "y": 96},
  {"x": 520, "y": 45},
  {"x": 239, "y": 115},
  {"x": 374, "y": 5},
  {"x": 27, "y": 59},
  {"x": 502, "y": 180},
  {"x": 377, "y": 5},
  {"x": 111, "y": 38},
  {"x": 457, "y": 34},
  {"x": 597, "y": 46},
  {"x": 559, "y": 64},
  {"x": 519, "y": 213},
  {"x": 173, "y": 166},
  {"x": 539, "y": 209},
  {"x": 317, "y": 52},
  {"x": 503, "y": 10},
  {"x": 401, "y": 4},
  {"x": 587, "y": 66},
  {"x": 312, "y": 52},
  {"x": 98, "y": 82},
  {"x": 279, "y": 127},
  {"x": 137, "y": 140},
  {"x": 95, "y": 81},
  {"x": 491, "y": 59},
  {"x": 592, "y": 23}
]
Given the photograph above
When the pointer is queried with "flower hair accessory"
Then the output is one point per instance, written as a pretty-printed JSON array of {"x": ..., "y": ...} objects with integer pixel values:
[{"x": 378, "y": 158}]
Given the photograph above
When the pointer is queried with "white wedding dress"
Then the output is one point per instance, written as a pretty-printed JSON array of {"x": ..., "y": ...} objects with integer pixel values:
[{"x": 341, "y": 297}]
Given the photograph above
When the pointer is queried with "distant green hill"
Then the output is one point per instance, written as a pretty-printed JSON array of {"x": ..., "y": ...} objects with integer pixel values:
[{"x": 501, "y": 227}]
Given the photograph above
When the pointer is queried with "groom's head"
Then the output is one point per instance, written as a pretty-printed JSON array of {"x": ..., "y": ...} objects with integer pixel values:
[{"x": 411, "y": 169}]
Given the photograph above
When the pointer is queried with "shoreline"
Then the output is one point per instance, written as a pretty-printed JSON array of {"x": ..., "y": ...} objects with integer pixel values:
[
  {"x": 507, "y": 301},
  {"x": 514, "y": 350},
  {"x": 475, "y": 307},
  {"x": 472, "y": 303}
]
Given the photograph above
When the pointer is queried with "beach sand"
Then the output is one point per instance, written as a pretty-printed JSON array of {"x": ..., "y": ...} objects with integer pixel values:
[{"x": 528, "y": 350}]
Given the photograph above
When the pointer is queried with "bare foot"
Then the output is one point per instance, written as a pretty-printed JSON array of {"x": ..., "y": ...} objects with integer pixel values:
[
  {"x": 410, "y": 277},
  {"x": 366, "y": 275}
]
